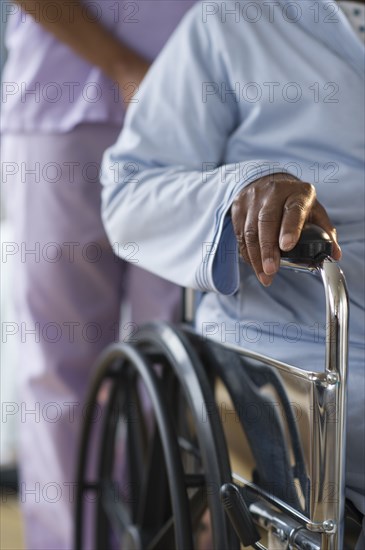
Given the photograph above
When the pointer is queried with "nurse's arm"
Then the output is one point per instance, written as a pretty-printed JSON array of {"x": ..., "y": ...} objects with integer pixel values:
[{"x": 91, "y": 40}]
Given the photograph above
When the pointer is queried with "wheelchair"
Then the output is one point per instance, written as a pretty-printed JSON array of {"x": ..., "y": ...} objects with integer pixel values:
[{"x": 156, "y": 469}]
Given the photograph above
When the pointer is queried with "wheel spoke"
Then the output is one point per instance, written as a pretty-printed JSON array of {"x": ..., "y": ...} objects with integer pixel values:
[
  {"x": 194, "y": 480},
  {"x": 165, "y": 537},
  {"x": 106, "y": 516},
  {"x": 188, "y": 447},
  {"x": 153, "y": 511},
  {"x": 117, "y": 514},
  {"x": 136, "y": 438}
]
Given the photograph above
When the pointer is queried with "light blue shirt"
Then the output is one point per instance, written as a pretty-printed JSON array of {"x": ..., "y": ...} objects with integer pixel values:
[{"x": 243, "y": 89}]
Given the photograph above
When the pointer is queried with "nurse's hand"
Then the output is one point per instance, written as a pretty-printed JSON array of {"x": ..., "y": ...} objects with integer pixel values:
[
  {"x": 129, "y": 73},
  {"x": 269, "y": 214},
  {"x": 94, "y": 42}
]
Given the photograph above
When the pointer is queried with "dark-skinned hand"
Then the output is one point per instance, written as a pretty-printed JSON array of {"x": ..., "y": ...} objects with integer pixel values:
[{"x": 268, "y": 216}]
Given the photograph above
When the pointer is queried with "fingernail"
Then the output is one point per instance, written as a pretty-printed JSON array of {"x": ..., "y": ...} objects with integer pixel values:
[
  {"x": 265, "y": 279},
  {"x": 269, "y": 266},
  {"x": 286, "y": 242}
]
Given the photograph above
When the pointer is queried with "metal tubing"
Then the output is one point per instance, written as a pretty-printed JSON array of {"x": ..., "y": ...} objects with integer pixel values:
[
  {"x": 336, "y": 367},
  {"x": 329, "y": 446},
  {"x": 337, "y": 315}
]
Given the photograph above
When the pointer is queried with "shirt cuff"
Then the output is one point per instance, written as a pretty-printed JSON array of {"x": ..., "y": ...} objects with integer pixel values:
[{"x": 222, "y": 266}]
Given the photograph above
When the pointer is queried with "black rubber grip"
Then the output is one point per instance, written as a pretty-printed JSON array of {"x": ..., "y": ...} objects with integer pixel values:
[
  {"x": 239, "y": 514},
  {"x": 313, "y": 246}
]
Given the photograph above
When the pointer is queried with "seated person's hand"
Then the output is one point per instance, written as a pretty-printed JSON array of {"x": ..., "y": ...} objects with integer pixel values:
[{"x": 269, "y": 214}]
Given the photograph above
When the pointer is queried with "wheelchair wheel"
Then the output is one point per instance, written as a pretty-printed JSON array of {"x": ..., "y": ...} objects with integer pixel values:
[
  {"x": 148, "y": 508},
  {"x": 203, "y": 450},
  {"x": 160, "y": 464}
]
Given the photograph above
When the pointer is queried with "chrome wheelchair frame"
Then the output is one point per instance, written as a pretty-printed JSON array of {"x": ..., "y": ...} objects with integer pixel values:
[{"x": 176, "y": 459}]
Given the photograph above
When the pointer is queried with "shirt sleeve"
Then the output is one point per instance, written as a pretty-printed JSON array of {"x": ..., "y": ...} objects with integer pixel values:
[{"x": 167, "y": 192}]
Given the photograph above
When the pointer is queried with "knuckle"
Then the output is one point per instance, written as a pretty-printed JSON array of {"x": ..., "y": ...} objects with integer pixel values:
[
  {"x": 251, "y": 235},
  {"x": 236, "y": 210},
  {"x": 308, "y": 189},
  {"x": 265, "y": 215},
  {"x": 297, "y": 206},
  {"x": 267, "y": 247},
  {"x": 239, "y": 203},
  {"x": 236, "y": 203},
  {"x": 251, "y": 194}
]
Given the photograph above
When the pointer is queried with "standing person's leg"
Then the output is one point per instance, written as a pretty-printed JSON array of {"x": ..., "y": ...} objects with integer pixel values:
[{"x": 67, "y": 287}]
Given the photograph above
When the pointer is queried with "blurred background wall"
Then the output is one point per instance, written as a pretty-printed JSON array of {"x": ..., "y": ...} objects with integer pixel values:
[
  {"x": 7, "y": 348},
  {"x": 11, "y": 535}
]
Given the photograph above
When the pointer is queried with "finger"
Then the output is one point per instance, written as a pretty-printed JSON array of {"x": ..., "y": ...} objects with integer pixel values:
[
  {"x": 264, "y": 279},
  {"x": 253, "y": 250},
  {"x": 243, "y": 249},
  {"x": 336, "y": 250},
  {"x": 320, "y": 217},
  {"x": 296, "y": 210},
  {"x": 238, "y": 216},
  {"x": 269, "y": 221}
]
